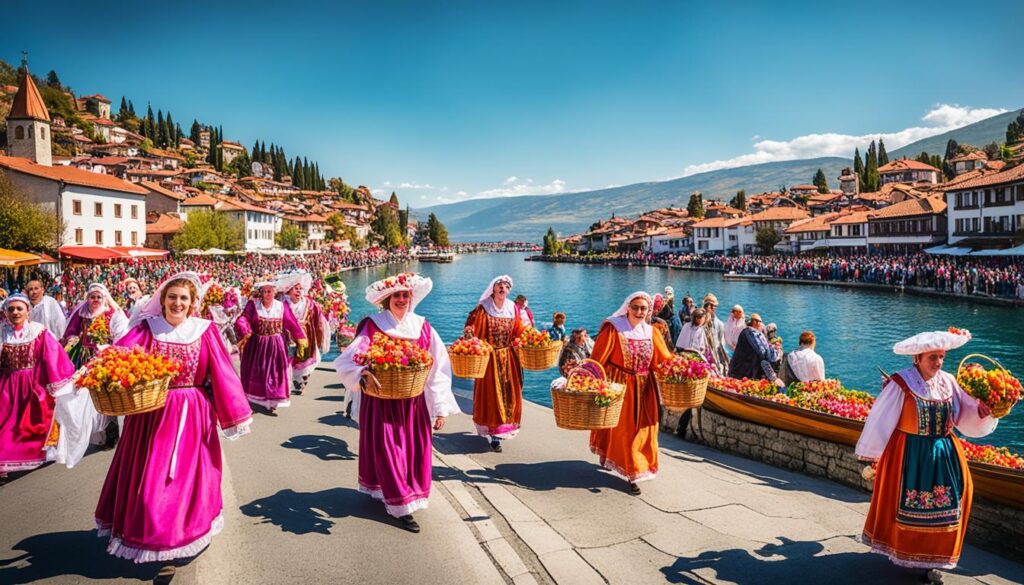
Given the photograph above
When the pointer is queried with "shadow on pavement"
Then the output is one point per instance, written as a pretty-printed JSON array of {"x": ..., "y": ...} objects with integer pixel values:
[
  {"x": 337, "y": 420},
  {"x": 331, "y": 397},
  {"x": 789, "y": 562},
  {"x": 81, "y": 553},
  {"x": 306, "y": 512},
  {"x": 322, "y": 446},
  {"x": 461, "y": 443},
  {"x": 335, "y": 386},
  {"x": 550, "y": 475}
]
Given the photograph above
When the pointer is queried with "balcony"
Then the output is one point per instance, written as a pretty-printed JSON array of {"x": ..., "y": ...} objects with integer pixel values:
[
  {"x": 961, "y": 207},
  {"x": 984, "y": 235}
]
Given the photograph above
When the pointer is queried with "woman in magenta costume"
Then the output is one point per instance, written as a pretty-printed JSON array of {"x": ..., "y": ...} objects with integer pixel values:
[
  {"x": 266, "y": 366},
  {"x": 35, "y": 384},
  {"x": 98, "y": 304},
  {"x": 310, "y": 315},
  {"x": 394, "y": 435},
  {"x": 162, "y": 499}
]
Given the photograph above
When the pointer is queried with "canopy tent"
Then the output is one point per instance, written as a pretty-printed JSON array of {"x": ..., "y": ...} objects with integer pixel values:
[
  {"x": 15, "y": 259},
  {"x": 137, "y": 252},
  {"x": 193, "y": 252},
  {"x": 216, "y": 252},
  {"x": 101, "y": 254},
  {"x": 948, "y": 251}
]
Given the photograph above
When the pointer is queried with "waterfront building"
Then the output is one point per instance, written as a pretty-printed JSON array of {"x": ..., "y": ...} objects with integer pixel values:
[
  {"x": 812, "y": 234},
  {"x": 312, "y": 227},
  {"x": 261, "y": 224},
  {"x": 908, "y": 226},
  {"x": 908, "y": 171},
  {"x": 723, "y": 235},
  {"x": 674, "y": 241},
  {"x": 848, "y": 233},
  {"x": 986, "y": 210},
  {"x": 968, "y": 162}
]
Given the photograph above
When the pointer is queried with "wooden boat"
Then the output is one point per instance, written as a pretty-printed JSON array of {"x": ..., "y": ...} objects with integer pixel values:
[
  {"x": 999, "y": 484},
  {"x": 435, "y": 257}
]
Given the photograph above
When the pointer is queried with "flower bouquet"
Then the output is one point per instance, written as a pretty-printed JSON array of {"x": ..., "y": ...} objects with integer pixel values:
[
  {"x": 469, "y": 356},
  {"x": 997, "y": 387},
  {"x": 98, "y": 332},
  {"x": 745, "y": 386},
  {"x": 214, "y": 297},
  {"x": 829, "y": 397},
  {"x": 399, "y": 366},
  {"x": 124, "y": 381},
  {"x": 537, "y": 351},
  {"x": 998, "y": 456},
  {"x": 683, "y": 381},
  {"x": 587, "y": 400}
]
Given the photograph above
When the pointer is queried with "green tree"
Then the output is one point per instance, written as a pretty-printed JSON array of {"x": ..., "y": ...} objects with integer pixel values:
[
  {"x": 766, "y": 239},
  {"x": 883, "y": 157},
  {"x": 24, "y": 226},
  {"x": 437, "y": 232},
  {"x": 53, "y": 81},
  {"x": 696, "y": 205},
  {"x": 858, "y": 166},
  {"x": 241, "y": 165},
  {"x": 821, "y": 182},
  {"x": 550, "y": 242},
  {"x": 290, "y": 237},
  {"x": 385, "y": 225},
  {"x": 8, "y": 74},
  {"x": 992, "y": 151},
  {"x": 122, "y": 111},
  {"x": 871, "y": 178},
  {"x": 740, "y": 200},
  {"x": 209, "y": 229},
  {"x": 1015, "y": 129},
  {"x": 193, "y": 134},
  {"x": 403, "y": 220},
  {"x": 394, "y": 199}
]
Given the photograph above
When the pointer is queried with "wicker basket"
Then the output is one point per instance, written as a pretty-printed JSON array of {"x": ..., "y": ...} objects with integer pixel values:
[
  {"x": 538, "y": 359},
  {"x": 1000, "y": 409},
  {"x": 399, "y": 384},
  {"x": 576, "y": 411},
  {"x": 136, "y": 400},
  {"x": 683, "y": 395},
  {"x": 472, "y": 367}
]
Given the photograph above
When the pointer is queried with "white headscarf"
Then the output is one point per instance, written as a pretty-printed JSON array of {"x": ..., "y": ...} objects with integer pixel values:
[
  {"x": 154, "y": 306},
  {"x": 83, "y": 307},
  {"x": 624, "y": 309},
  {"x": 490, "y": 287},
  {"x": 420, "y": 286},
  {"x": 932, "y": 341},
  {"x": 31, "y": 328},
  {"x": 288, "y": 280}
]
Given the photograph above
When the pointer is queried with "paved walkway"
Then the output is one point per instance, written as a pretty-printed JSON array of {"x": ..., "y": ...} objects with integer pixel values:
[{"x": 540, "y": 512}]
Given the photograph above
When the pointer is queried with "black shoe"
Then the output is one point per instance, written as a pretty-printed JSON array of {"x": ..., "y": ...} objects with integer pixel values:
[
  {"x": 496, "y": 446},
  {"x": 409, "y": 523},
  {"x": 113, "y": 433},
  {"x": 348, "y": 410},
  {"x": 634, "y": 489}
]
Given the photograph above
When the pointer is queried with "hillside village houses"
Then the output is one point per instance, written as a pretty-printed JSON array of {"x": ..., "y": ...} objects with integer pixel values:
[{"x": 117, "y": 196}]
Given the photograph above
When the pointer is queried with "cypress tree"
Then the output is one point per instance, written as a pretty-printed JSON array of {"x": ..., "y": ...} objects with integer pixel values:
[
  {"x": 123, "y": 110},
  {"x": 883, "y": 158},
  {"x": 193, "y": 134},
  {"x": 131, "y": 108},
  {"x": 871, "y": 178},
  {"x": 821, "y": 182},
  {"x": 858, "y": 166}
]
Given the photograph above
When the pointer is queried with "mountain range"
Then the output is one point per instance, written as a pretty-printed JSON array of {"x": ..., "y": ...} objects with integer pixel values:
[{"x": 527, "y": 217}]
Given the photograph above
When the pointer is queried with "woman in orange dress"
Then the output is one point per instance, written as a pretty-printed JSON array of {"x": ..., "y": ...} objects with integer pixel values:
[
  {"x": 498, "y": 396},
  {"x": 922, "y": 494},
  {"x": 629, "y": 349}
]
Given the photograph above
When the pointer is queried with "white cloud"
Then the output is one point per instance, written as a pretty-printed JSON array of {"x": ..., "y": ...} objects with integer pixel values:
[
  {"x": 511, "y": 180},
  {"x": 462, "y": 193},
  {"x": 417, "y": 186},
  {"x": 513, "y": 187},
  {"x": 941, "y": 118}
]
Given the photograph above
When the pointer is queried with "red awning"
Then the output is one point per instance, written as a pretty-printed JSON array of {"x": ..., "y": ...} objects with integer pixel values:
[
  {"x": 142, "y": 253},
  {"x": 47, "y": 259},
  {"x": 91, "y": 253}
]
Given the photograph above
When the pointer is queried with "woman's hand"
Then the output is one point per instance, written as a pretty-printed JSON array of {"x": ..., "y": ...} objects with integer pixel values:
[
  {"x": 368, "y": 380},
  {"x": 983, "y": 410},
  {"x": 439, "y": 423}
]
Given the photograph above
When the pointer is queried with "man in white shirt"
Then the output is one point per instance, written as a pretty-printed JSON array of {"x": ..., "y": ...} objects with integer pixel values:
[
  {"x": 804, "y": 364},
  {"x": 46, "y": 310},
  {"x": 734, "y": 326}
]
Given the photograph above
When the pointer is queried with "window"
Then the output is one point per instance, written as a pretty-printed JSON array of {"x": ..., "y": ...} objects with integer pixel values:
[
  {"x": 135, "y": 212},
  {"x": 117, "y": 210},
  {"x": 117, "y": 237},
  {"x": 76, "y": 207},
  {"x": 30, "y": 131},
  {"x": 79, "y": 238},
  {"x": 19, "y": 132},
  {"x": 135, "y": 238},
  {"x": 98, "y": 209},
  {"x": 99, "y": 237},
  {"x": 42, "y": 132}
]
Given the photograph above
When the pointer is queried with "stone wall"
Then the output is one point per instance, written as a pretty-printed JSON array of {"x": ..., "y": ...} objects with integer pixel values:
[{"x": 992, "y": 526}]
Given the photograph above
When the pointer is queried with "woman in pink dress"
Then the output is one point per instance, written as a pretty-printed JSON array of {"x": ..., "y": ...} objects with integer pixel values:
[
  {"x": 310, "y": 316},
  {"x": 395, "y": 435},
  {"x": 266, "y": 366},
  {"x": 162, "y": 498},
  {"x": 35, "y": 374}
]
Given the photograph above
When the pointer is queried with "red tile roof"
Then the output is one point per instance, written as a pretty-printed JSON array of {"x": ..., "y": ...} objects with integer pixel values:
[
  {"x": 855, "y": 217},
  {"x": 28, "y": 104},
  {"x": 974, "y": 155},
  {"x": 103, "y": 122},
  {"x": 70, "y": 175},
  {"x": 932, "y": 205},
  {"x": 813, "y": 224},
  {"x": 780, "y": 214},
  {"x": 1011, "y": 175},
  {"x": 97, "y": 97},
  {"x": 904, "y": 164},
  {"x": 164, "y": 224},
  {"x": 156, "y": 188},
  {"x": 201, "y": 199}
]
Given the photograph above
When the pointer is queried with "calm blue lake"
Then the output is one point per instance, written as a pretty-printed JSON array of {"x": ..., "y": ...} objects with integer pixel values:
[{"x": 855, "y": 329}]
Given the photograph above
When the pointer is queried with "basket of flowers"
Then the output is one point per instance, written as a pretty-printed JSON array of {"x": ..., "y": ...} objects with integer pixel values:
[
  {"x": 399, "y": 366},
  {"x": 537, "y": 351},
  {"x": 587, "y": 400},
  {"x": 683, "y": 381},
  {"x": 124, "y": 381},
  {"x": 469, "y": 356},
  {"x": 997, "y": 387},
  {"x": 98, "y": 331},
  {"x": 344, "y": 335},
  {"x": 214, "y": 297}
]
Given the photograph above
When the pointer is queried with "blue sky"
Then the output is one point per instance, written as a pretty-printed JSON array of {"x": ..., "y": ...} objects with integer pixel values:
[{"x": 447, "y": 101}]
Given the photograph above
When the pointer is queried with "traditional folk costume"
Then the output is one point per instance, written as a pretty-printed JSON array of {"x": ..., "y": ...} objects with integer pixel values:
[
  {"x": 310, "y": 316},
  {"x": 162, "y": 498},
  {"x": 50, "y": 314},
  {"x": 629, "y": 354},
  {"x": 498, "y": 396},
  {"x": 35, "y": 390},
  {"x": 83, "y": 346},
  {"x": 265, "y": 362},
  {"x": 395, "y": 435},
  {"x": 922, "y": 495}
]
